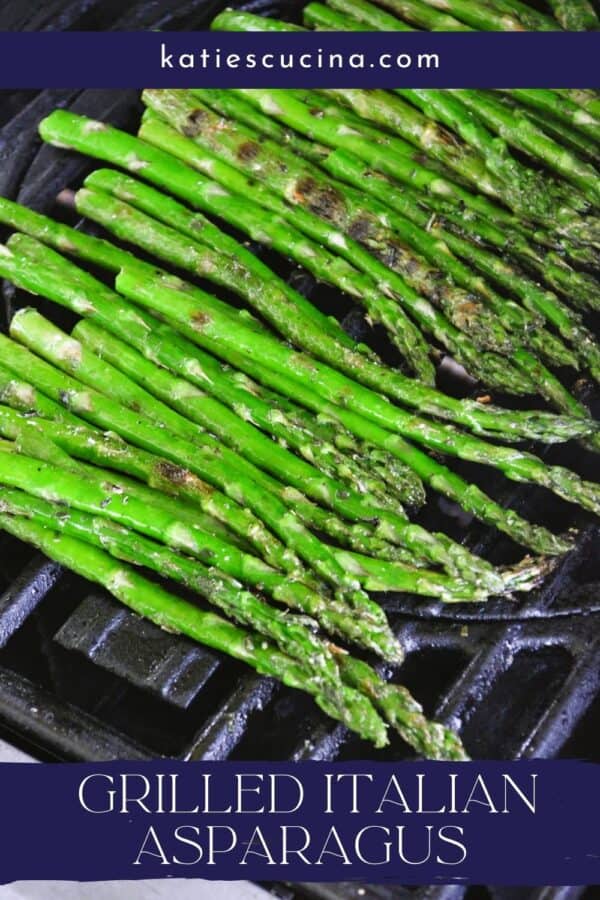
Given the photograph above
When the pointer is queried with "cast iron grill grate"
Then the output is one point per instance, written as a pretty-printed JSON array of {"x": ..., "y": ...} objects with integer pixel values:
[{"x": 82, "y": 678}]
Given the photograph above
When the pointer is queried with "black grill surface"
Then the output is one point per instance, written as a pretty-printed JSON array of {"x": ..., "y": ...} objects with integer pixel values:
[{"x": 81, "y": 677}]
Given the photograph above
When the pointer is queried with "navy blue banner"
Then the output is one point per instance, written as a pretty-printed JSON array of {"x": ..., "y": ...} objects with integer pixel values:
[
  {"x": 503, "y": 823},
  {"x": 314, "y": 59}
]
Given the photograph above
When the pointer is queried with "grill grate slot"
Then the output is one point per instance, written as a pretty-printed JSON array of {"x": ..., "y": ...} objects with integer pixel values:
[
  {"x": 174, "y": 668},
  {"x": 525, "y": 689}
]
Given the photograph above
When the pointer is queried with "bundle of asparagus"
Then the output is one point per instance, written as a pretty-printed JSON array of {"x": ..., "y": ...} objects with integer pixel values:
[
  {"x": 446, "y": 15},
  {"x": 259, "y": 456}
]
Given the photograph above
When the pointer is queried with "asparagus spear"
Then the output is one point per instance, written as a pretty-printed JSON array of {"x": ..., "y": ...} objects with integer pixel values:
[
  {"x": 575, "y": 15},
  {"x": 518, "y": 131},
  {"x": 252, "y": 409},
  {"x": 292, "y": 634},
  {"x": 525, "y": 184},
  {"x": 540, "y": 302},
  {"x": 52, "y": 442},
  {"x": 204, "y": 456},
  {"x": 473, "y": 415},
  {"x": 437, "y": 476},
  {"x": 554, "y": 105},
  {"x": 351, "y": 15},
  {"x": 70, "y": 240},
  {"x": 400, "y": 480},
  {"x": 329, "y": 255},
  {"x": 321, "y": 456},
  {"x": 578, "y": 287},
  {"x": 238, "y": 20},
  {"x": 347, "y": 210},
  {"x": 377, "y": 575},
  {"x": 129, "y": 323},
  {"x": 530, "y": 18},
  {"x": 401, "y": 118},
  {"x": 588, "y": 100},
  {"x": 260, "y": 225},
  {"x": 323, "y": 18},
  {"x": 413, "y": 11},
  {"x": 578, "y": 142},
  {"x": 126, "y": 222},
  {"x": 24, "y": 397},
  {"x": 488, "y": 367},
  {"x": 174, "y": 614},
  {"x": 266, "y": 297},
  {"x": 524, "y": 532},
  {"x": 229, "y": 104},
  {"x": 541, "y": 206},
  {"x": 389, "y": 157},
  {"x": 433, "y": 473},
  {"x": 41, "y": 336},
  {"x": 83, "y": 442},
  {"x": 215, "y": 332},
  {"x": 422, "y": 15},
  {"x": 373, "y": 579},
  {"x": 402, "y": 712},
  {"x": 325, "y": 106},
  {"x": 492, "y": 15},
  {"x": 86, "y": 489},
  {"x": 188, "y": 496},
  {"x": 173, "y": 213},
  {"x": 184, "y": 357},
  {"x": 112, "y": 145},
  {"x": 293, "y": 180},
  {"x": 512, "y": 424}
]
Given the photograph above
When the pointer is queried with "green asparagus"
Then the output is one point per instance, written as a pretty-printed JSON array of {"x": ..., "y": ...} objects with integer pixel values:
[
  {"x": 577, "y": 286},
  {"x": 575, "y": 15},
  {"x": 554, "y": 106},
  {"x": 129, "y": 323},
  {"x": 179, "y": 616},
  {"x": 493, "y": 15},
  {"x": 204, "y": 456},
  {"x": 352, "y": 15},
  {"x": 292, "y": 634},
  {"x": 187, "y": 496},
  {"x": 31, "y": 328},
  {"x": 378, "y": 377},
  {"x": 164, "y": 242},
  {"x": 347, "y": 210},
  {"x": 87, "y": 490},
  {"x": 298, "y": 183},
  {"x": 182, "y": 397},
  {"x": 321, "y": 249},
  {"x": 518, "y": 131},
  {"x": 216, "y": 332},
  {"x": 525, "y": 185},
  {"x": 400, "y": 480},
  {"x": 437, "y": 476},
  {"x": 450, "y": 229},
  {"x": 434, "y": 474},
  {"x": 323, "y": 18},
  {"x": 390, "y": 158}
]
